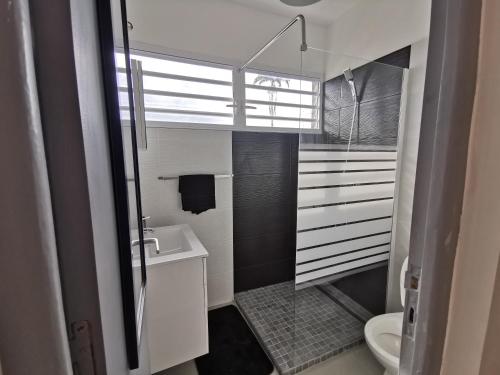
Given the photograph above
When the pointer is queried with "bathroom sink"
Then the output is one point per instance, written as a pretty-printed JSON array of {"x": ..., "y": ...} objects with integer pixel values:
[{"x": 170, "y": 244}]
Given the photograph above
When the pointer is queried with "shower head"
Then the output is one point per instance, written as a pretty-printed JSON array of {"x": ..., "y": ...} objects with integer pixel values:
[{"x": 349, "y": 77}]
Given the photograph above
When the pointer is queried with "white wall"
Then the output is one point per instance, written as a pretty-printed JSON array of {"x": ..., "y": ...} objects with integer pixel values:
[
  {"x": 173, "y": 152},
  {"x": 371, "y": 30},
  {"x": 407, "y": 170},
  {"x": 220, "y": 30}
]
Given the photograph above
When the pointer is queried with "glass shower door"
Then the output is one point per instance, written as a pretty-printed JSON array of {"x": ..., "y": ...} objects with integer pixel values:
[{"x": 347, "y": 173}]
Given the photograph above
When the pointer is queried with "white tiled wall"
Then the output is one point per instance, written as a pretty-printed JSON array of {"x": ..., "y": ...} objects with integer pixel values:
[
  {"x": 173, "y": 152},
  {"x": 409, "y": 153}
]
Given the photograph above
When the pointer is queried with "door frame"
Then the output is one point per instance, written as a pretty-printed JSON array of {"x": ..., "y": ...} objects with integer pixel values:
[{"x": 439, "y": 187}]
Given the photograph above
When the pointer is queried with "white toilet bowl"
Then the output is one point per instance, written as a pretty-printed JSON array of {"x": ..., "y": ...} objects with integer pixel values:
[{"x": 383, "y": 334}]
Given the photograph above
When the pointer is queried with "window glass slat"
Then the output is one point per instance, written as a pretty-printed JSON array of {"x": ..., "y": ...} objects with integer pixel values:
[
  {"x": 282, "y": 101},
  {"x": 185, "y": 87},
  {"x": 279, "y": 81},
  {"x": 187, "y": 67},
  {"x": 186, "y": 91},
  {"x": 270, "y": 110},
  {"x": 278, "y": 96}
]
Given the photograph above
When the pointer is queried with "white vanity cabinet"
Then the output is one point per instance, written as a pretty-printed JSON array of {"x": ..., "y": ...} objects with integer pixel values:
[{"x": 176, "y": 305}]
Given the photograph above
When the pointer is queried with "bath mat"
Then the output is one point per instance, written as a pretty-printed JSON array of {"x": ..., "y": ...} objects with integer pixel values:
[{"x": 234, "y": 350}]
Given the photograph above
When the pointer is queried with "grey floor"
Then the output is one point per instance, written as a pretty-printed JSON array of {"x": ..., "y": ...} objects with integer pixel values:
[
  {"x": 358, "y": 361},
  {"x": 302, "y": 328},
  {"x": 314, "y": 331}
]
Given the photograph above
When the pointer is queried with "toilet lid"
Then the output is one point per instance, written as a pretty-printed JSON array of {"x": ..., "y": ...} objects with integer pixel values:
[{"x": 402, "y": 289}]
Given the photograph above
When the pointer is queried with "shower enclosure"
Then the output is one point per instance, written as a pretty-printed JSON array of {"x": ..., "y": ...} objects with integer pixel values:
[
  {"x": 347, "y": 176},
  {"x": 347, "y": 114}
]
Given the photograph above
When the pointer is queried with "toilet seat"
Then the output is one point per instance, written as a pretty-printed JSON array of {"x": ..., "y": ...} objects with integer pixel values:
[{"x": 383, "y": 336}]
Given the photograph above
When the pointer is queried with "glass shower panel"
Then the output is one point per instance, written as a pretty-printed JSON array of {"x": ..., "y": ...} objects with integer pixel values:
[
  {"x": 324, "y": 163},
  {"x": 277, "y": 99},
  {"x": 345, "y": 197}
]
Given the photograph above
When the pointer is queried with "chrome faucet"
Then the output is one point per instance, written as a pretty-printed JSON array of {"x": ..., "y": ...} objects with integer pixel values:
[
  {"x": 145, "y": 228},
  {"x": 153, "y": 241}
]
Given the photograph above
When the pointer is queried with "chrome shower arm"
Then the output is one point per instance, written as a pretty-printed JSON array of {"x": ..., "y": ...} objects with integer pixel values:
[{"x": 303, "y": 45}]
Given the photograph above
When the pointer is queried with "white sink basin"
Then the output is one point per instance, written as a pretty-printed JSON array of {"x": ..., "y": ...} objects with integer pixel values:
[{"x": 174, "y": 243}]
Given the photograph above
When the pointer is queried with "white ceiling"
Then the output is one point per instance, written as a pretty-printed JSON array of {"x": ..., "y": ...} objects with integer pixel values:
[{"x": 323, "y": 12}]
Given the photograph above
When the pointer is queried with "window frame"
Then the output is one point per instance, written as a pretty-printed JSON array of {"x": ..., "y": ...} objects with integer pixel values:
[
  {"x": 238, "y": 95},
  {"x": 291, "y": 76}
]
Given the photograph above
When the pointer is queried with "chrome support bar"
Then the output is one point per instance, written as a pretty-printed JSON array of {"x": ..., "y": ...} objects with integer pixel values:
[{"x": 303, "y": 45}]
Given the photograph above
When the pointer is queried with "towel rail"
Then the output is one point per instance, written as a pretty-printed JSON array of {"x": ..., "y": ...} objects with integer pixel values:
[{"x": 166, "y": 178}]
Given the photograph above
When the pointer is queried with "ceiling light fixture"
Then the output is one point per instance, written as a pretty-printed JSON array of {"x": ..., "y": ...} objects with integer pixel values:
[{"x": 299, "y": 3}]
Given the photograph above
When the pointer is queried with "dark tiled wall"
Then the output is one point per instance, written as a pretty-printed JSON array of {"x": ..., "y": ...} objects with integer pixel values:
[
  {"x": 265, "y": 176},
  {"x": 379, "y": 90},
  {"x": 264, "y": 208},
  {"x": 400, "y": 58},
  {"x": 367, "y": 288}
]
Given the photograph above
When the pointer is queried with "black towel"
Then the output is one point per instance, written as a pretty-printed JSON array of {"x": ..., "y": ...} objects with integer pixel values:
[{"x": 197, "y": 192}]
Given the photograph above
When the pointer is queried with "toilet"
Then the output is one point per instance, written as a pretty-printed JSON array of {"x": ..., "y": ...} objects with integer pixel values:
[{"x": 383, "y": 333}]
